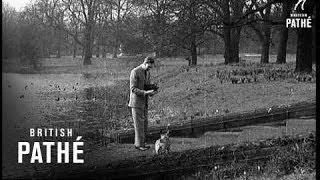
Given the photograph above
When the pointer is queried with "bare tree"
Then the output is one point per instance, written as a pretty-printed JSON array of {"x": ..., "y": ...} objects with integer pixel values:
[
  {"x": 32, "y": 38},
  {"x": 9, "y": 31},
  {"x": 263, "y": 31},
  {"x": 187, "y": 28},
  {"x": 85, "y": 11},
  {"x": 120, "y": 10},
  {"x": 157, "y": 16},
  {"x": 304, "y": 41},
  {"x": 62, "y": 14},
  {"x": 282, "y": 48},
  {"x": 227, "y": 21},
  {"x": 190, "y": 26}
]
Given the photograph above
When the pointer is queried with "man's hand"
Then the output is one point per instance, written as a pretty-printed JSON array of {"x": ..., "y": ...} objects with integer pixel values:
[{"x": 151, "y": 92}]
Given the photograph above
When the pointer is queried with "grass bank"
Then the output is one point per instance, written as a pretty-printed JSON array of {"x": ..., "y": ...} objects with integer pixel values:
[
  {"x": 204, "y": 90},
  {"x": 291, "y": 161}
]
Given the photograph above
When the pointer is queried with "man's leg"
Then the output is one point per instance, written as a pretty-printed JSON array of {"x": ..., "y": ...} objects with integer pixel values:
[
  {"x": 145, "y": 123},
  {"x": 138, "y": 119}
]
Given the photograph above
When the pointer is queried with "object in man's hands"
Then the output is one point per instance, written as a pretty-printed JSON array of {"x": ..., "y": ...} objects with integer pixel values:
[{"x": 148, "y": 87}]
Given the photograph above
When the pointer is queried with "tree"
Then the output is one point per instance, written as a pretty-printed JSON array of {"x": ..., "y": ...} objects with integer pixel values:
[
  {"x": 62, "y": 14},
  {"x": 120, "y": 11},
  {"x": 304, "y": 54},
  {"x": 24, "y": 36},
  {"x": 282, "y": 48},
  {"x": 9, "y": 31},
  {"x": 190, "y": 26},
  {"x": 89, "y": 10},
  {"x": 227, "y": 20},
  {"x": 267, "y": 36},
  {"x": 263, "y": 31},
  {"x": 304, "y": 46},
  {"x": 156, "y": 24},
  {"x": 32, "y": 38},
  {"x": 190, "y": 10}
]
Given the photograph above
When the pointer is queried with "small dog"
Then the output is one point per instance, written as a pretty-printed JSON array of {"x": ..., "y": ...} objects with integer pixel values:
[{"x": 162, "y": 145}]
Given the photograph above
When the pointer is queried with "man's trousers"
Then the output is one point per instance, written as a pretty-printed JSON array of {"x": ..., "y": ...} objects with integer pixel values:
[{"x": 140, "y": 119}]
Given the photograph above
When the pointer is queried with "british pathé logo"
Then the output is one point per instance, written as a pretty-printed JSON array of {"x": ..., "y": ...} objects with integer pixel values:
[
  {"x": 52, "y": 149},
  {"x": 297, "y": 4},
  {"x": 299, "y": 20}
]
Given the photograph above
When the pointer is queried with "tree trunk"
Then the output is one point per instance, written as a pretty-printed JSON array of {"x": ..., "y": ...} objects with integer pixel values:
[
  {"x": 266, "y": 37},
  {"x": 227, "y": 46},
  {"x": 115, "y": 51},
  {"x": 98, "y": 51},
  {"x": 193, "y": 51},
  {"x": 226, "y": 32},
  {"x": 282, "y": 48},
  {"x": 234, "y": 49},
  {"x": 74, "y": 49},
  {"x": 75, "y": 46},
  {"x": 265, "y": 51},
  {"x": 59, "y": 45},
  {"x": 304, "y": 41},
  {"x": 87, "y": 49},
  {"x": 231, "y": 34},
  {"x": 158, "y": 39},
  {"x": 87, "y": 57},
  {"x": 82, "y": 55},
  {"x": 304, "y": 50},
  {"x": 60, "y": 36},
  {"x": 193, "y": 44},
  {"x": 104, "y": 52},
  {"x": 88, "y": 44},
  {"x": 89, "y": 37},
  {"x": 265, "y": 46}
]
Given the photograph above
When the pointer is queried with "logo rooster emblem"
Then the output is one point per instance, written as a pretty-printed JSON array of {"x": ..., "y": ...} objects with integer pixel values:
[{"x": 297, "y": 4}]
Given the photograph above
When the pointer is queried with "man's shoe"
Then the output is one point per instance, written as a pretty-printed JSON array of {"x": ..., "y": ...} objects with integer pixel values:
[
  {"x": 141, "y": 148},
  {"x": 146, "y": 146}
]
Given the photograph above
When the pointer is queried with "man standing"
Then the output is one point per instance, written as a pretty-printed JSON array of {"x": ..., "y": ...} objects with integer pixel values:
[{"x": 139, "y": 77}]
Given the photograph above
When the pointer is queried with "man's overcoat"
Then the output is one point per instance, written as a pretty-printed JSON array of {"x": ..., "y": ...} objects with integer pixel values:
[{"x": 138, "y": 79}]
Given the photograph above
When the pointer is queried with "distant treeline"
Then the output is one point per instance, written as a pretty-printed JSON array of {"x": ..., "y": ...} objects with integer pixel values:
[{"x": 169, "y": 28}]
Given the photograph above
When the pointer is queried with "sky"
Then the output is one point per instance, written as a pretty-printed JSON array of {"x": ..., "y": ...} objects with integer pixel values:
[{"x": 17, "y": 4}]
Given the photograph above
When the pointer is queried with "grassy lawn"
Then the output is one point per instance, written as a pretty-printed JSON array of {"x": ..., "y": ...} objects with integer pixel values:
[{"x": 190, "y": 92}]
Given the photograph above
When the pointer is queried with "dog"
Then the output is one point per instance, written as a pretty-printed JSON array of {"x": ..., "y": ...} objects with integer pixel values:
[{"x": 162, "y": 145}]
